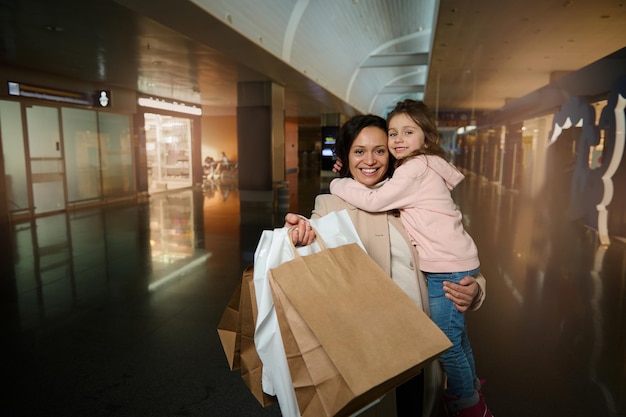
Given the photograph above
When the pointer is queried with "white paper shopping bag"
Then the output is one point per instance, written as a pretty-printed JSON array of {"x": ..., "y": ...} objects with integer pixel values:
[{"x": 275, "y": 248}]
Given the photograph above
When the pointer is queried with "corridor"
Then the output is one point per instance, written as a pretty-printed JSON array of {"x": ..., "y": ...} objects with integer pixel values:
[{"x": 113, "y": 312}]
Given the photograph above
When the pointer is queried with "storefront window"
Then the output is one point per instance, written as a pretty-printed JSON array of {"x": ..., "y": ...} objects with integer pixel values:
[{"x": 168, "y": 149}]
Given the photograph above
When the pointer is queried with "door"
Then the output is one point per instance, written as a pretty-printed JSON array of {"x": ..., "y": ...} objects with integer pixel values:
[{"x": 46, "y": 159}]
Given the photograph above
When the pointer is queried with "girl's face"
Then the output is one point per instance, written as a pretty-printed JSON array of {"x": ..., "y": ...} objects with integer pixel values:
[
  {"x": 405, "y": 136},
  {"x": 368, "y": 159}
]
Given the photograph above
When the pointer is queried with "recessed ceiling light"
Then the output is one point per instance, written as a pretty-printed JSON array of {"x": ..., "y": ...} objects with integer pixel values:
[{"x": 54, "y": 28}]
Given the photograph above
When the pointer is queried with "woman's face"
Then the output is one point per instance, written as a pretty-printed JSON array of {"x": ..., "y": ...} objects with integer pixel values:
[
  {"x": 368, "y": 159},
  {"x": 405, "y": 136}
]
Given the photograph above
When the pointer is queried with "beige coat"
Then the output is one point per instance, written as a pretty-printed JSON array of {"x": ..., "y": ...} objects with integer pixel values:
[{"x": 373, "y": 230}]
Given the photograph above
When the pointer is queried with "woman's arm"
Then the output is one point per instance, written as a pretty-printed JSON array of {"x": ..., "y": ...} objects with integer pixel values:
[{"x": 305, "y": 235}]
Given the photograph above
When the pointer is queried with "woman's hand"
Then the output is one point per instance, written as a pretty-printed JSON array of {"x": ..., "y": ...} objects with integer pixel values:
[
  {"x": 302, "y": 234},
  {"x": 462, "y": 294}
]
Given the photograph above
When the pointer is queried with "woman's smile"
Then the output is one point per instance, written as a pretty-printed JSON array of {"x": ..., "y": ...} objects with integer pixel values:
[
  {"x": 369, "y": 171},
  {"x": 368, "y": 159}
]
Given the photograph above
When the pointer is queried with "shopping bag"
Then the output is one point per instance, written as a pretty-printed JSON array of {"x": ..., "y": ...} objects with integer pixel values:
[
  {"x": 251, "y": 365},
  {"x": 229, "y": 330},
  {"x": 350, "y": 333},
  {"x": 273, "y": 249},
  {"x": 236, "y": 332}
]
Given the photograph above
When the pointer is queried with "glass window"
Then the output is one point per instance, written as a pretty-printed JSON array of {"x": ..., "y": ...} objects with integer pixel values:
[
  {"x": 168, "y": 151},
  {"x": 80, "y": 138},
  {"x": 116, "y": 154},
  {"x": 11, "y": 132},
  {"x": 46, "y": 159}
]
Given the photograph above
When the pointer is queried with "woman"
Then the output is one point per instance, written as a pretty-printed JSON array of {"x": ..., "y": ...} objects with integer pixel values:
[{"x": 363, "y": 144}]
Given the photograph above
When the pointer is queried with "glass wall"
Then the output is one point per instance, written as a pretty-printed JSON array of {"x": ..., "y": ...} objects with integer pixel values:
[
  {"x": 62, "y": 156},
  {"x": 80, "y": 138},
  {"x": 116, "y": 154},
  {"x": 46, "y": 159},
  {"x": 11, "y": 132}
]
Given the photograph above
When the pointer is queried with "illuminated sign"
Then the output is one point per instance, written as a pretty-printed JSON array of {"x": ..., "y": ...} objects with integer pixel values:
[
  {"x": 45, "y": 93},
  {"x": 101, "y": 99},
  {"x": 173, "y": 106},
  {"x": 104, "y": 98}
]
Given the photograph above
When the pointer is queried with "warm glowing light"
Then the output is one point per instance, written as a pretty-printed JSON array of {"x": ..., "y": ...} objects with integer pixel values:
[
  {"x": 465, "y": 129},
  {"x": 170, "y": 105}
]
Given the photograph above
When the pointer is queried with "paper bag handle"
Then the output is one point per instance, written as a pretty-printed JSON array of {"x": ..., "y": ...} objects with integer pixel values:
[{"x": 318, "y": 238}]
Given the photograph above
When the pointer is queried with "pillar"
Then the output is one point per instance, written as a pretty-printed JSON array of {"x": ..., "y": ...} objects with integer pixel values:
[
  {"x": 260, "y": 139},
  {"x": 261, "y": 159}
]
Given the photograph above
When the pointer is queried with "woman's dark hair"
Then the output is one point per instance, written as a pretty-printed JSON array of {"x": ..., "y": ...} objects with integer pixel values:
[
  {"x": 348, "y": 133},
  {"x": 423, "y": 117}
]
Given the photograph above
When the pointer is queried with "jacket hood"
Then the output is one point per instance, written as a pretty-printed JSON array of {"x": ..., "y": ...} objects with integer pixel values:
[{"x": 450, "y": 174}]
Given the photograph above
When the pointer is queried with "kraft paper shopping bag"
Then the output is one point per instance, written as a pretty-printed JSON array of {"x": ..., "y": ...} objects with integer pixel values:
[
  {"x": 273, "y": 249},
  {"x": 350, "y": 333},
  {"x": 251, "y": 365},
  {"x": 229, "y": 330},
  {"x": 236, "y": 332}
]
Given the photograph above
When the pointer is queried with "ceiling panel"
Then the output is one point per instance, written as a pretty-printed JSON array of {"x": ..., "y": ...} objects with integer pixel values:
[
  {"x": 485, "y": 52},
  {"x": 511, "y": 48}
]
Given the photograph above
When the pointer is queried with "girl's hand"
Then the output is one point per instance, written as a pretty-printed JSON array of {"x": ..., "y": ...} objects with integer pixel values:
[{"x": 337, "y": 166}]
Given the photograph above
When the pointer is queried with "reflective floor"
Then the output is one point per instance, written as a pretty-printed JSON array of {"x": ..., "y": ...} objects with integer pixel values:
[{"x": 113, "y": 312}]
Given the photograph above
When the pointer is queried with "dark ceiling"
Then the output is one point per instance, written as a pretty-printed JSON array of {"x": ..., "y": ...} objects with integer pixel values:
[{"x": 485, "y": 53}]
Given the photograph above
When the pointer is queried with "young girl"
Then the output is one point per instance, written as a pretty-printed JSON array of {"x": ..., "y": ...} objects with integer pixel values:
[{"x": 420, "y": 188}]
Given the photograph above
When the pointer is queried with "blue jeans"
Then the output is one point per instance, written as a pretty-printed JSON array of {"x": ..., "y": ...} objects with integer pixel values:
[{"x": 458, "y": 361}]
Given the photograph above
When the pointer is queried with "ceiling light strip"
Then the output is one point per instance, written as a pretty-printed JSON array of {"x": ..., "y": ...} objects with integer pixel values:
[{"x": 172, "y": 106}]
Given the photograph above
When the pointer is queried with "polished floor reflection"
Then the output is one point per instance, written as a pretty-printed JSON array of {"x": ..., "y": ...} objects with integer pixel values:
[{"x": 112, "y": 312}]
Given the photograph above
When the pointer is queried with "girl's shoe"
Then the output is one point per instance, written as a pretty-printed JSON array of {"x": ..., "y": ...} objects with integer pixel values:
[{"x": 479, "y": 409}]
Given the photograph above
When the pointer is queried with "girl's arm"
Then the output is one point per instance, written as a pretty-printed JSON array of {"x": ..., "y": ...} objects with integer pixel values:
[{"x": 396, "y": 193}]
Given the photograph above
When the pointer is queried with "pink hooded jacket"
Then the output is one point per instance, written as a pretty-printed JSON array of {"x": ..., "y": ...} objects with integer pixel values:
[{"x": 420, "y": 188}]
